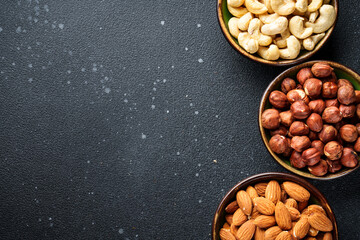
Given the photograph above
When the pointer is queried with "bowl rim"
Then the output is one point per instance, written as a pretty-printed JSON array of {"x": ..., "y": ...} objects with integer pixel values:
[
  {"x": 274, "y": 176},
  {"x": 262, "y": 108},
  {"x": 284, "y": 62}
]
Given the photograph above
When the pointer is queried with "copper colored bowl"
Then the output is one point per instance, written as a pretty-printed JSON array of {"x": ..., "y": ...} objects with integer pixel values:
[
  {"x": 341, "y": 72},
  {"x": 316, "y": 198},
  {"x": 224, "y": 16}
]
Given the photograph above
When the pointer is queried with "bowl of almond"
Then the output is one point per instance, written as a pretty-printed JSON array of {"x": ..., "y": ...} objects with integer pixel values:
[{"x": 277, "y": 206}]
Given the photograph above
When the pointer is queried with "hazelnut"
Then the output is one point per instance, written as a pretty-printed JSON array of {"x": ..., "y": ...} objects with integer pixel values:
[
  {"x": 349, "y": 158},
  {"x": 296, "y": 160},
  {"x": 312, "y": 87},
  {"x": 299, "y": 86},
  {"x": 321, "y": 70},
  {"x": 357, "y": 145},
  {"x": 344, "y": 82},
  {"x": 334, "y": 166},
  {"x": 281, "y": 131},
  {"x": 297, "y": 95},
  {"x": 311, "y": 156},
  {"x": 319, "y": 145},
  {"x": 287, "y": 85},
  {"x": 328, "y": 133},
  {"x": 319, "y": 169},
  {"x": 278, "y": 144},
  {"x": 346, "y": 95},
  {"x": 348, "y": 111},
  {"x": 333, "y": 150},
  {"x": 332, "y": 115},
  {"x": 358, "y": 128},
  {"x": 303, "y": 75},
  {"x": 286, "y": 118},
  {"x": 315, "y": 122},
  {"x": 329, "y": 90},
  {"x": 288, "y": 150},
  {"x": 300, "y": 110},
  {"x": 298, "y": 128},
  {"x": 348, "y": 133},
  {"x": 332, "y": 103},
  {"x": 313, "y": 136},
  {"x": 278, "y": 99},
  {"x": 317, "y": 106},
  {"x": 270, "y": 119},
  {"x": 357, "y": 96},
  {"x": 358, "y": 110},
  {"x": 331, "y": 78},
  {"x": 300, "y": 143}
]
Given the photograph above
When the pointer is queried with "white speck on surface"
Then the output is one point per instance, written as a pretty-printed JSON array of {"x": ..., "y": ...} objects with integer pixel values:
[
  {"x": 197, "y": 174},
  {"x": 50, "y": 218},
  {"x": 215, "y": 161},
  {"x": 126, "y": 101},
  {"x": 46, "y": 21},
  {"x": 51, "y": 224},
  {"x": 61, "y": 26},
  {"x": 164, "y": 80},
  {"x": 172, "y": 66},
  {"x": 83, "y": 69},
  {"x": 186, "y": 49},
  {"x": 46, "y": 7},
  {"x": 30, "y": 80},
  {"x": 88, "y": 161},
  {"x": 36, "y": 20},
  {"x": 121, "y": 231},
  {"x": 195, "y": 140},
  {"x": 200, "y": 201},
  {"x": 153, "y": 107},
  {"x": 196, "y": 112},
  {"x": 13, "y": 64},
  {"x": 143, "y": 136},
  {"x": 70, "y": 53},
  {"x": 1, "y": 29},
  {"x": 200, "y": 60},
  {"x": 18, "y": 30},
  {"x": 107, "y": 90},
  {"x": 191, "y": 104},
  {"x": 167, "y": 111},
  {"x": 94, "y": 69},
  {"x": 198, "y": 25},
  {"x": 53, "y": 26},
  {"x": 178, "y": 153},
  {"x": 217, "y": 116},
  {"x": 199, "y": 164},
  {"x": 162, "y": 22},
  {"x": 30, "y": 65},
  {"x": 154, "y": 89},
  {"x": 68, "y": 82},
  {"x": 68, "y": 71}
]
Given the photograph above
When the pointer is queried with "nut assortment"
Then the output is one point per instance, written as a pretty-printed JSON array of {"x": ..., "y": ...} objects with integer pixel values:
[
  {"x": 315, "y": 121},
  {"x": 279, "y": 28},
  {"x": 272, "y": 211}
]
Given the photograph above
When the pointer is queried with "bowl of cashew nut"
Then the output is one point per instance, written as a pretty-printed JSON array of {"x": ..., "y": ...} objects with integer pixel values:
[{"x": 277, "y": 32}]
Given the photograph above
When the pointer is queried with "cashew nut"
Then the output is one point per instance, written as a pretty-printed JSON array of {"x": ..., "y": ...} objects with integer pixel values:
[
  {"x": 283, "y": 7},
  {"x": 312, "y": 16},
  {"x": 237, "y": 11},
  {"x": 268, "y": 18},
  {"x": 281, "y": 41},
  {"x": 233, "y": 28},
  {"x": 276, "y": 27},
  {"x": 314, "y": 5},
  {"x": 235, "y": 3},
  {"x": 301, "y": 5},
  {"x": 255, "y": 7},
  {"x": 250, "y": 45},
  {"x": 292, "y": 50},
  {"x": 325, "y": 21},
  {"x": 296, "y": 26},
  {"x": 243, "y": 22},
  {"x": 254, "y": 31},
  {"x": 268, "y": 6},
  {"x": 269, "y": 53},
  {"x": 310, "y": 42}
]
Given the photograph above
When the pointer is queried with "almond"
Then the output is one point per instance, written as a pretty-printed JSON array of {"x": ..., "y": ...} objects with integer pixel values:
[
  {"x": 264, "y": 221},
  {"x": 239, "y": 217},
  {"x": 232, "y": 207},
  {"x": 264, "y": 205},
  {"x": 261, "y": 188},
  {"x": 302, "y": 205},
  {"x": 255, "y": 214},
  {"x": 301, "y": 228},
  {"x": 226, "y": 226},
  {"x": 290, "y": 202},
  {"x": 284, "y": 195},
  {"x": 327, "y": 236},
  {"x": 225, "y": 234},
  {"x": 313, "y": 232},
  {"x": 246, "y": 231},
  {"x": 229, "y": 218},
  {"x": 233, "y": 229},
  {"x": 273, "y": 191},
  {"x": 252, "y": 192},
  {"x": 296, "y": 191},
  {"x": 310, "y": 238},
  {"x": 313, "y": 209},
  {"x": 282, "y": 216},
  {"x": 294, "y": 213},
  {"x": 244, "y": 201},
  {"x": 272, "y": 233},
  {"x": 259, "y": 234},
  {"x": 320, "y": 222},
  {"x": 285, "y": 235}
]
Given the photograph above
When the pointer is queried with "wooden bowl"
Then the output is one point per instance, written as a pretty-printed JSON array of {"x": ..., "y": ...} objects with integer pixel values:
[
  {"x": 341, "y": 72},
  {"x": 316, "y": 198},
  {"x": 224, "y": 16}
]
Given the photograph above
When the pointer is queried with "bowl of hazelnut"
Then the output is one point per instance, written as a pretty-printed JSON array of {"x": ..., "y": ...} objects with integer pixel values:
[
  {"x": 274, "y": 206},
  {"x": 277, "y": 32},
  {"x": 309, "y": 119}
]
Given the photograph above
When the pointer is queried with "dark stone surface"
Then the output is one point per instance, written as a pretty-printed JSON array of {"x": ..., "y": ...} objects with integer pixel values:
[{"x": 110, "y": 122}]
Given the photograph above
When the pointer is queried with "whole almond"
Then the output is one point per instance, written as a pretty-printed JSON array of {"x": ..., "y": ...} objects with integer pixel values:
[
  {"x": 311, "y": 209},
  {"x": 284, "y": 195},
  {"x": 226, "y": 226},
  {"x": 234, "y": 229},
  {"x": 239, "y": 217},
  {"x": 313, "y": 232},
  {"x": 320, "y": 222},
  {"x": 272, "y": 233},
  {"x": 296, "y": 191},
  {"x": 282, "y": 216},
  {"x": 290, "y": 202},
  {"x": 327, "y": 236},
  {"x": 301, "y": 228},
  {"x": 273, "y": 191},
  {"x": 264, "y": 221},
  {"x": 231, "y": 207},
  {"x": 261, "y": 188},
  {"x": 225, "y": 234},
  {"x": 229, "y": 218},
  {"x": 244, "y": 201},
  {"x": 246, "y": 231},
  {"x": 302, "y": 205},
  {"x": 294, "y": 213},
  {"x": 259, "y": 234},
  {"x": 285, "y": 235},
  {"x": 264, "y": 206},
  {"x": 252, "y": 192}
]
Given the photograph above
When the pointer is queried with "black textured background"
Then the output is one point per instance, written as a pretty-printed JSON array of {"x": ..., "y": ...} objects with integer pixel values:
[{"x": 114, "y": 112}]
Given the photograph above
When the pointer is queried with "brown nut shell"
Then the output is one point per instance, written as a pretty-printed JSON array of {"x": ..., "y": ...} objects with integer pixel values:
[
  {"x": 315, "y": 122},
  {"x": 328, "y": 133},
  {"x": 278, "y": 144},
  {"x": 311, "y": 156},
  {"x": 346, "y": 95},
  {"x": 287, "y": 85},
  {"x": 313, "y": 87},
  {"x": 319, "y": 145},
  {"x": 300, "y": 143},
  {"x": 296, "y": 160},
  {"x": 281, "y": 131},
  {"x": 348, "y": 133},
  {"x": 321, "y": 70},
  {"x": 348, "y": 111},
  {"x": 303, "y": 75},
  {"x": 270, "y": 119},
  {"x": 317, "y": 106},
  {"x": 332, "y": 103},
  {"x": 334, "y": 166},
  {"x": 300, "y": 110},
  {"x": 333, "y": 150},
  {"x": 278, "y": 99},
  {"x": 286, "y": 118},
  {"x": 332, "y": 115},
  {"x": 329, "y": 90},
  {"x": 344, "y": 82},
  {"x": 357, "y": 145},
  {"x": 297, "y": 95},
  {"x": 319, "y": 169},
  {"x": 298, "y": 128},
  {"x": 349, "y": 158}
]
